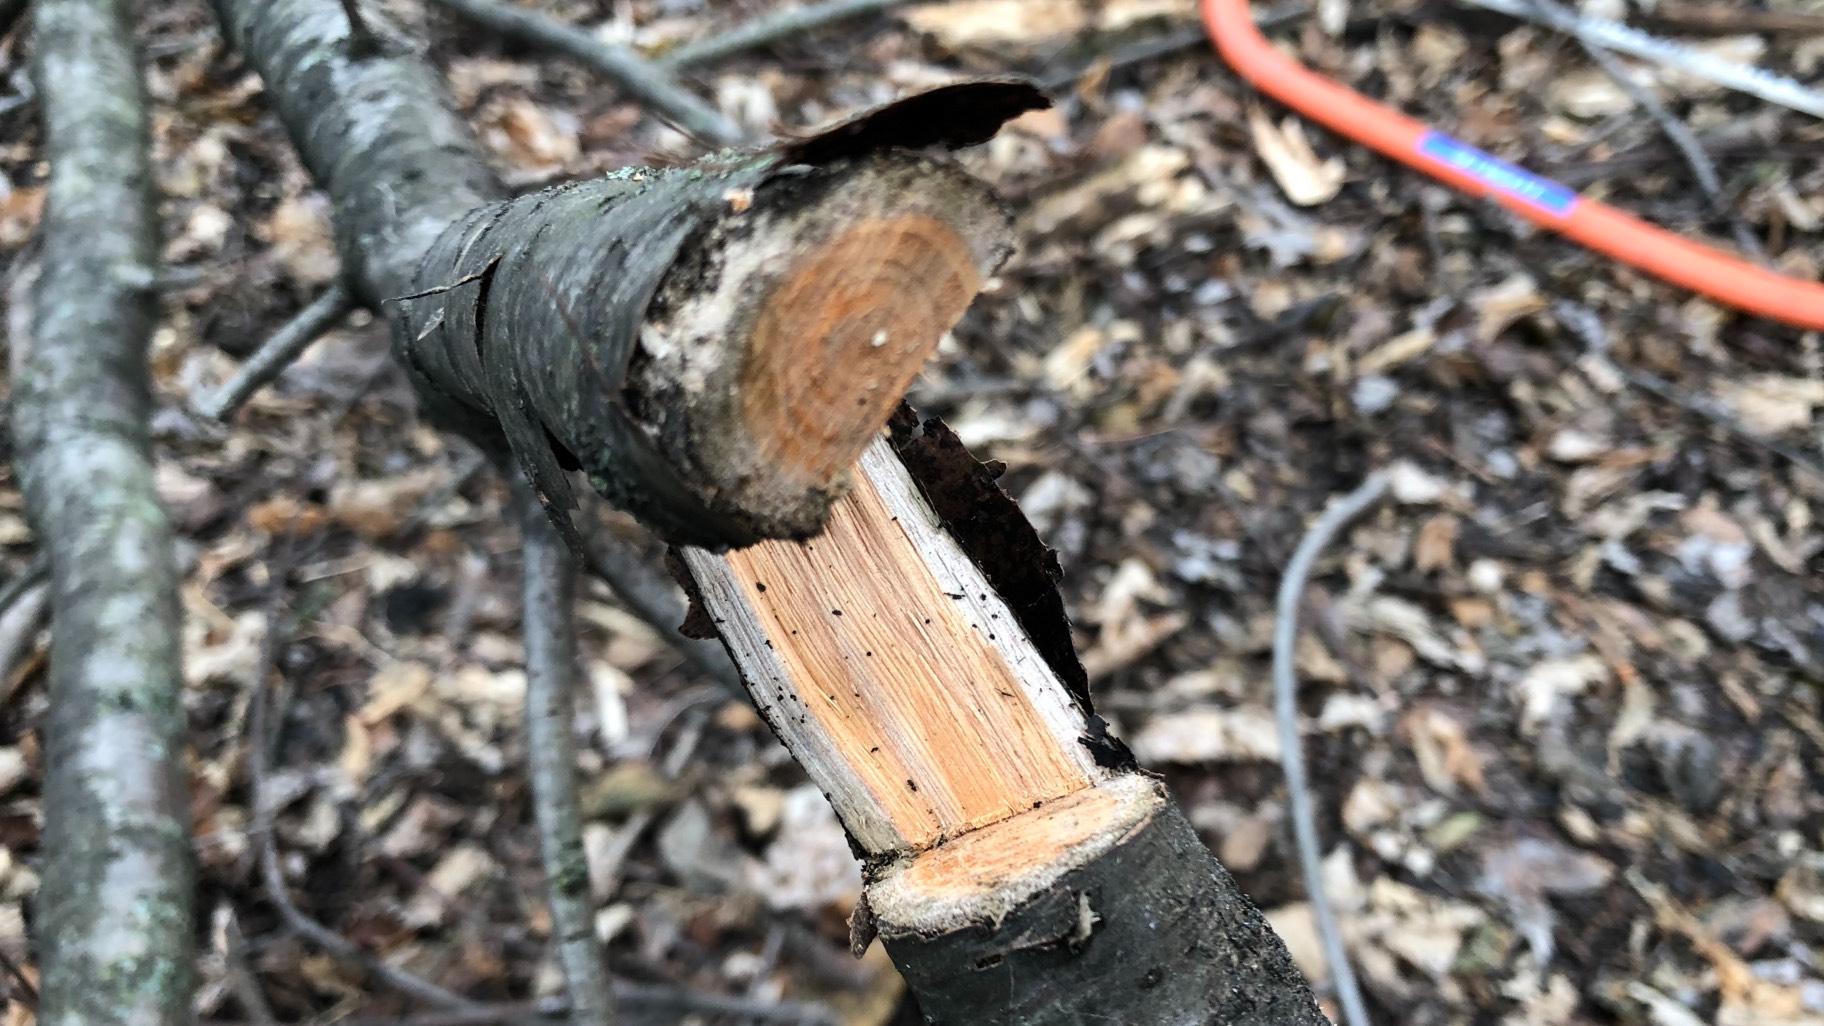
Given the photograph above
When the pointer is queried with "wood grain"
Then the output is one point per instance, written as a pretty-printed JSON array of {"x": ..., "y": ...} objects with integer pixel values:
[
  {"x": 894, "y": 672},
  {"x": 837, "y": 343}
]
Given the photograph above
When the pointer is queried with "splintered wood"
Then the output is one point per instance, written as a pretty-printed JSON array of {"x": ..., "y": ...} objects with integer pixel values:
[
  {"x": 893, "y": 672},
  {"x": 866, "y": 310}
]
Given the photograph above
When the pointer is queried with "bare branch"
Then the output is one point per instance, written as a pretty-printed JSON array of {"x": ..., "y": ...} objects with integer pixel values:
[
  {"x": 646, "y": 594},
  {"x": 1291, "y": 755},
  {"x": 771, "y": 29},
  {"x": 549, "y": 627},
  {"x": 261, "y": 719},
  {"x": 280, "y": 351},
  {"x": 114, "y": 912},
  {"x": 641, "y": 79},
  {"x": 1703, "y": 169},
  {"x": 242, "y": 980}
]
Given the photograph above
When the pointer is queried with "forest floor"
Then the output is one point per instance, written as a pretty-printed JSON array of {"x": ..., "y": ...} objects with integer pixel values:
[{"x": 1564, "y": 697}]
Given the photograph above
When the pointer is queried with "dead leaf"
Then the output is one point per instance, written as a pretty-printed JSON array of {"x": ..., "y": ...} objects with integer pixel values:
[
  {"x": 1769, "y": 404},
  {"x": 1436, "y": 544},
  {"x": 957, "y": 24},
  {"x": 1245, "y": 734},
  {"x": 1306, "y": 179},
  {"x": 1441, "y": 744}
]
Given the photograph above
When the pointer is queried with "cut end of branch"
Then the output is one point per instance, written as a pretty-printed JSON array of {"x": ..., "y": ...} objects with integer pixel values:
[
  {"x": 982, "y": 875},
  {"x": 782, "y": 340}
]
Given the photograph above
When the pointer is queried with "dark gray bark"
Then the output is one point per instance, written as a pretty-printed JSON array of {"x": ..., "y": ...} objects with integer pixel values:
[
  {"x": 114, "y": 914},
  {"x": 374, "y": 128},
  {"x": 638, "y": 78},
  {"x": 549, "y": 584},
  {"x": 1153, "y": 931},
  {"x": 520, "y": 329}
]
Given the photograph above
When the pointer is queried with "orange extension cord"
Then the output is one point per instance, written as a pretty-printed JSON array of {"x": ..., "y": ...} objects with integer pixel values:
[{"x": 1722, "y": 276}]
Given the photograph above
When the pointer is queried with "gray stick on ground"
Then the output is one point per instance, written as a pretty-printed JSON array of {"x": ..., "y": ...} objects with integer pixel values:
[
  {"x": 114, "y": 916},
  {"x": 549, "y": 629},
  {"x": 1291, "y": 754},
  {"x": 650, "y": 84},
  {"x": 279, "y": 351}
]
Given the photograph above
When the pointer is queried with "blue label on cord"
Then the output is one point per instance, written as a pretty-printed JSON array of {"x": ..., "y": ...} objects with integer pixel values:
[{"x": 1498, "y": 174}]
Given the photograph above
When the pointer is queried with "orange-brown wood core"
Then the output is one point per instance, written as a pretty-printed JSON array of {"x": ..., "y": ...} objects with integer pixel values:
[
  {"x": 840, "y": 339},
  {"x": 914, "y": 692}
]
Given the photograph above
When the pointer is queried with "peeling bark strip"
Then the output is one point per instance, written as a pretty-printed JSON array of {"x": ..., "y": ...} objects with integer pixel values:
[
  {"x": 114, "y": 920},
  {"x": 916, "y": 659},
  {"x": 714, "y": 344}
]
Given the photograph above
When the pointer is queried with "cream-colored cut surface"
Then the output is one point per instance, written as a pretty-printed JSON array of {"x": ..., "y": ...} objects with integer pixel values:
[
  {"x": 893, "y": 672},
  {"x": 986, "y": 872},
  {"x": 984, "y": 860}
]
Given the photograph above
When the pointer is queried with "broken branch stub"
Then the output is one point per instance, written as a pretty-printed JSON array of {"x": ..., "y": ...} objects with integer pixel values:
[
  {"x": 713, "y": 345},
  {"x": 916, "y": 660}
]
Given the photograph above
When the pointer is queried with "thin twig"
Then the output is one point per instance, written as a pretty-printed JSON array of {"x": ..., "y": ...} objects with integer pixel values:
[
  {"x": 262, "y": 719},
  {"x": 1584, "y": 324},
  {"x": 279, "y": 351},
  {"x": 242, "y": 980},
  {"x": 645, "y": 81},
  {"x": 770, "y": 29},
  {"x": 647, "y": 595},
  {"x": 1291, "y": 754},
  {"x": 1703, "y": 169},
  {"x": 549, "y": 630}
]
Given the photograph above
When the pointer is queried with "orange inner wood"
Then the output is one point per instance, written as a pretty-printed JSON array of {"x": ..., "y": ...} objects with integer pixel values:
[
  {"x": 982, "y": 861},
  {"x": 838, "y": 341},
  {"x": 918, "y": 699}
]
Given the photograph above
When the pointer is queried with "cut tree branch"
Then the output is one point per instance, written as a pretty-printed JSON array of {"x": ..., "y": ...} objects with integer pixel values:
[
  {"x": 639, "y": 78},
  {"x": 114, "y": 926},
  {"x": 916, "y": 660},
  {"x": 549, "y": 629},
  {"x": 717, "y": 346}
]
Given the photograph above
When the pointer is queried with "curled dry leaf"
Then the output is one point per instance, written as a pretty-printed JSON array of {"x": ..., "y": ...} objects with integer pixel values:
[{"x": 1305, "y": 178}]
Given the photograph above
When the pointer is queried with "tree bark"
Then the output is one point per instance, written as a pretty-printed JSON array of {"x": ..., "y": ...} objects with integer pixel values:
[
  {"x": 114, "y": 920},
  {"x": 374, "y": 128},
  {"x": 616, "y": 326}
]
